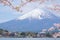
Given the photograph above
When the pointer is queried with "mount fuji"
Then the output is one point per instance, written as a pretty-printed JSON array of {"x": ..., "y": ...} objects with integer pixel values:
[{"x": 33, "y": 21}]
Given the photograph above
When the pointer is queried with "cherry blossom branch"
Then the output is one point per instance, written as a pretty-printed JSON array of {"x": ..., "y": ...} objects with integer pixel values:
[
  {"x": 18, "y": 8},
  {"x": 55, "y": 7}
]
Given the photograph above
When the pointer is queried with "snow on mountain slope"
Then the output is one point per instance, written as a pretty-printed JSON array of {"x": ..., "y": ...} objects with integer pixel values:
[
  {"x": 36, "y": 14},
  {"x": 33, "y": 14}
]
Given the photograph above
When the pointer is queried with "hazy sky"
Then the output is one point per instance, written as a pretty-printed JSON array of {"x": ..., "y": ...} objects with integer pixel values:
[{"x": 7, "y": 14}]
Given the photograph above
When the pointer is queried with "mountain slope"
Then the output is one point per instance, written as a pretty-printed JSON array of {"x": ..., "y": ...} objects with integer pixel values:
[
  {"x": 34, "y": 21},
  {"x": 26, "y": 25}
]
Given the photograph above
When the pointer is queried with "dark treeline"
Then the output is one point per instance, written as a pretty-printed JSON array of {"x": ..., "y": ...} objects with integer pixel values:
[{"x": 46, "y": 34}]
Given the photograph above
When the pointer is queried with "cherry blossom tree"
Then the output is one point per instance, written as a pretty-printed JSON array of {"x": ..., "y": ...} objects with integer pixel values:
[
  {"x": 17, "y": 8},
  {"x": 56, "y": 7},
  {"x": 57, "y": 25}
]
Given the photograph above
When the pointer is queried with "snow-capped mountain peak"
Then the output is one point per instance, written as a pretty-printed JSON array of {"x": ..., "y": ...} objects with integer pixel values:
[{"x": 36, "y": 14}]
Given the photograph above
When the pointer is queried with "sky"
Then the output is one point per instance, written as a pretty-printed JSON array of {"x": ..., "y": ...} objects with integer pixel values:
[{"x": 7, "y": 14}]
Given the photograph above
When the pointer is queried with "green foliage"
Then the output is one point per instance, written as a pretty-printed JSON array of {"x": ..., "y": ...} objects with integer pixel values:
[
  {"x": 1, "y": 31},
  {"x": 48, "y": 34}
]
